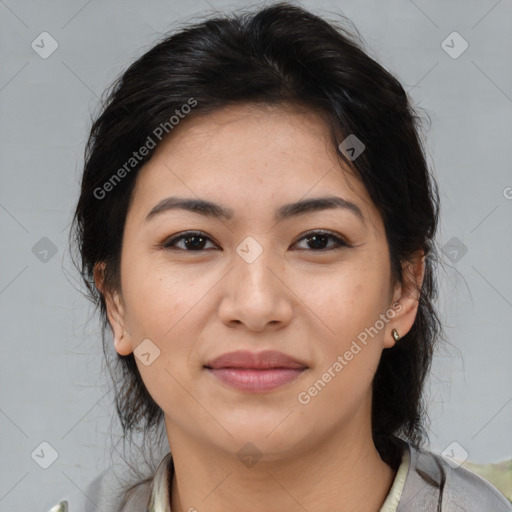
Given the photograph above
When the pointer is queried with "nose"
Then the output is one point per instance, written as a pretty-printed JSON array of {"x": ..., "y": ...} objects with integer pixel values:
[{"x": 255, "y": 294}]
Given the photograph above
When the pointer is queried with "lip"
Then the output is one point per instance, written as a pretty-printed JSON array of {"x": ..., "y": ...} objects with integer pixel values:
[
  {"x": 255, "y": 372},
  {"x": 256, "y": 360}
]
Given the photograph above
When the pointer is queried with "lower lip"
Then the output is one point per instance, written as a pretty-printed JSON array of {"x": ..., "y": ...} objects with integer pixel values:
[{"x": 256, "y": 380}]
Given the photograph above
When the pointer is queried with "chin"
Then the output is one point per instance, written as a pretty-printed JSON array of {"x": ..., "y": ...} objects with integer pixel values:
[{"x": 270, "y": 439}]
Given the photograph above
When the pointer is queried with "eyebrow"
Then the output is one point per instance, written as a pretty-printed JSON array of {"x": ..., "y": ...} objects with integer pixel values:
[{"x": 211, "y": 209}]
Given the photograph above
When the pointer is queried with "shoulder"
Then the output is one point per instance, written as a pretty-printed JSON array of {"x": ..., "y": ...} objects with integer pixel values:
[
  {"x": 470, "y": 491},
  {"x": 131, "y": 491},
  {"x": 108, "y": 493},
  {"x": 137, "y": 500},
  {"x": 433, "y": 482}
]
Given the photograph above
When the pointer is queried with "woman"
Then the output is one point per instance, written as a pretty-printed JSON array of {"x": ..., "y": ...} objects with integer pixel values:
[{"x": 257, "y": 226}]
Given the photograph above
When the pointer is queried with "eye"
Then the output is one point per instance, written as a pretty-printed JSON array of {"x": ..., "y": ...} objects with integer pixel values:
[
  {"x": 318, "y": 239},
  {"x": 193, "y": 241}
]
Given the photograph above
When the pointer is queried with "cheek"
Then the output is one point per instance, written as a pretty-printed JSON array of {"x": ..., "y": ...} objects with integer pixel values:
[
  {"x": 160, "y": 296},
  {"x": 348, "y": 354},
  {"x": 344, "y": 302},
  {"x": 349, "y": 305},
  {"x": 163, "y": 305}
]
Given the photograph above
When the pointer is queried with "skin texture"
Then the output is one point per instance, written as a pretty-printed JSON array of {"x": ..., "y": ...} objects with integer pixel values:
[{"x": 294, "y": 298}]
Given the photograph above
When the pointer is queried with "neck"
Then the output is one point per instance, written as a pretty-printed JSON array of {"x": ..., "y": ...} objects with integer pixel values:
[{"x": 343, "y": 473}]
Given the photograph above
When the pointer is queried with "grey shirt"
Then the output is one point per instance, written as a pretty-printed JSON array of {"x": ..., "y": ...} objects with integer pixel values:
[{"x": 431, "y": 485}]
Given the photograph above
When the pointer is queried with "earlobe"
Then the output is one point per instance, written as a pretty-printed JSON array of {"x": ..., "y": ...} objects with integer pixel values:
[
  {"x": 406, "y": 298},
  {"x": 122, "y": 344},
  {"x": 115, "y": 313}
]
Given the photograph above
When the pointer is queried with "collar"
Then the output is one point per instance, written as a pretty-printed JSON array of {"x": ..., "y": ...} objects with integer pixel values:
[{"x": 159, "y": 498}]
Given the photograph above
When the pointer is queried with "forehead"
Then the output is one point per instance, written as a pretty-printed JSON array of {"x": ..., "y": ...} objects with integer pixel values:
[
  {"x": 249, "y": 157},
  {"x": 238, "y": 131}
]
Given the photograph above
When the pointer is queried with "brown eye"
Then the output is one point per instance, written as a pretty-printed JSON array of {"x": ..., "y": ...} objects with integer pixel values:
[
  {"x": 318, "y": 240},
  {"x": 193, "y": 241},
  {"x": 196, "y": 241}
]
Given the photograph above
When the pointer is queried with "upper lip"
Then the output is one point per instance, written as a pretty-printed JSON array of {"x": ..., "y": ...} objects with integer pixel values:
[{"x": 255, "y": 360}]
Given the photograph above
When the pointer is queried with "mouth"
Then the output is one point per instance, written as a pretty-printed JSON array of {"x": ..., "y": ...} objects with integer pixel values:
[{"x": 255, "y": 372}]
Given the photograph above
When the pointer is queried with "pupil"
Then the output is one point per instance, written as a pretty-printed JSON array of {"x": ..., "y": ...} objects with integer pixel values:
[
  {"x": 316, "y": 239},
  {"x": 196, "y": 245}
]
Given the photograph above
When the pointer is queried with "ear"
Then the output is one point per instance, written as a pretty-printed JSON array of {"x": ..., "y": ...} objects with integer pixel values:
[
  {"x": 406, "y": 298},
  {"x": 115, "y": 312}
]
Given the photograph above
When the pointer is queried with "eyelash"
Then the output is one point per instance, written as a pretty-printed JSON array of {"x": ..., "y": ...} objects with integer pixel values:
[{"x": 170, "y": 244}]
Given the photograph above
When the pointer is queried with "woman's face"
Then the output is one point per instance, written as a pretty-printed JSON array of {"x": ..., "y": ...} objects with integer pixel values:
[{"x": 253, "y": 281}]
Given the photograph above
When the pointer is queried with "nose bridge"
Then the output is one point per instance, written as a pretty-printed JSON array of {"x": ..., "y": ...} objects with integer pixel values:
[
  {"x": 253, "y": 263},
  {"x": 255, "y": 295}
]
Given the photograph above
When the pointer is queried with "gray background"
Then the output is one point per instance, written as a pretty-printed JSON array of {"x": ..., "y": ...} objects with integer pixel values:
[{"x": 53, "y": 383}]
